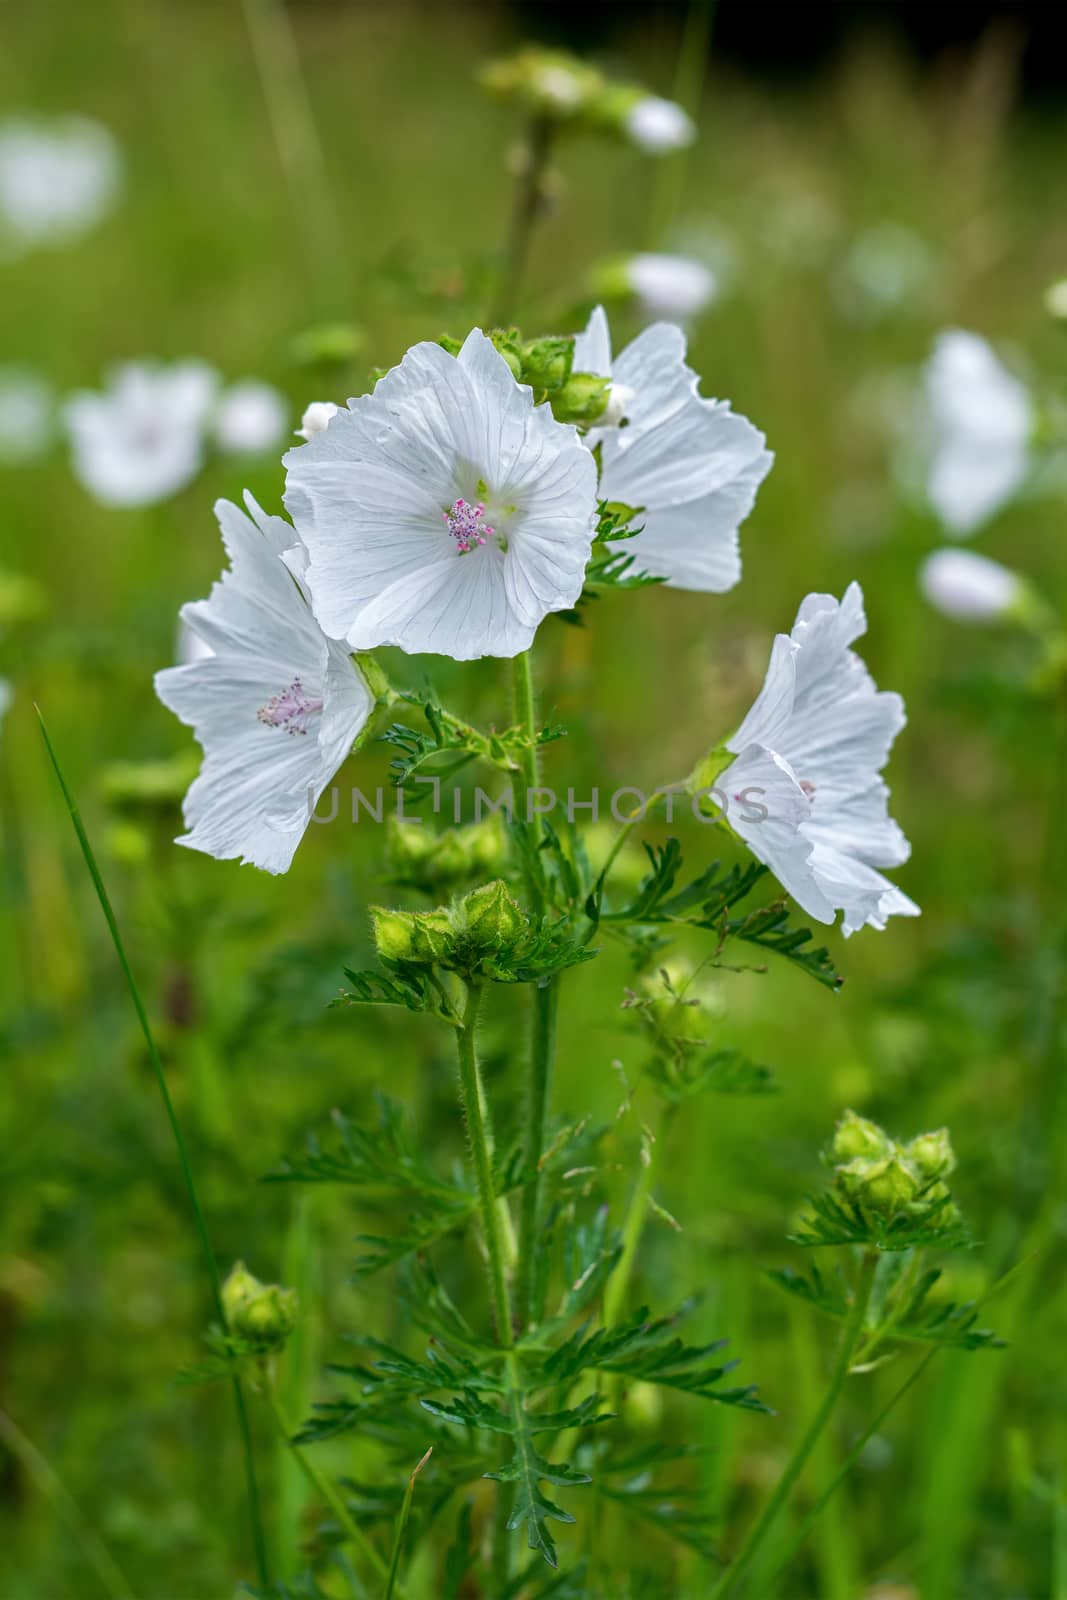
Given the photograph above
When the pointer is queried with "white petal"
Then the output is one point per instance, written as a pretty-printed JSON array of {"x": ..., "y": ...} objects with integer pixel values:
[
  {"x": 592, "y": 349},
  {"x": 766, "y": 806},
  {"x": 697, "y": 545}
]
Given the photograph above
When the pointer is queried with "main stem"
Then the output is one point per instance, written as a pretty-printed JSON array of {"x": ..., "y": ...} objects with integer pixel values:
[
  {"x": 527, "y": 205},
  {"x": 850, "y": 1339},
  {"x": 481, "y": 1154}
]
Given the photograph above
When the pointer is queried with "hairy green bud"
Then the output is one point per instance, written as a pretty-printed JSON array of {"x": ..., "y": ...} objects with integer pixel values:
[
  {"x": 887, "y": 1186},
  {"x": 261, "y": 1314},
  {"x": 489, "y": 916},
  {"x": 584, "y": 399},
  {"x": 547, "y": 363},
  {"x": 419, "y": 936},
  {"x": 930, "y": 1155},
  {"x": 856, "y": 1136}
]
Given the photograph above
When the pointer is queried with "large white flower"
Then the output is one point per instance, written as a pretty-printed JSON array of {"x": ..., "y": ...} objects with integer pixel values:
[
  {"x": 692, "y": 464},
  {"x": 56, "y": 180},
  {"x": 982, "y": 418},
  {"x": 274, "y": 703},
  {"x": 142, "y": 439},
  {"x": 445, "y": 512},
  {"x": 805, "y": 792}
]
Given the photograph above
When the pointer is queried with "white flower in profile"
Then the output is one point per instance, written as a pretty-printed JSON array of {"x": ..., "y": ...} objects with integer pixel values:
[
  {"x": 970, "y": 587},
  {"x": 143, "y": 438},
  {"x": 805, "y": 792},
  {"x": 274, "y": 703},
  {"x": 693, "y": 465},
  {"x": 57, "y": 180},
  {"x": 251, "y": 418},
  {"x": 674, "y": 287},
  {"x": 982, "y": 418},
  {"x": 659, "y": 126},
  {"x": 27, "y": 410},
  {"x": 445, "y": 512},
  {"x": 317, "y": 416}
]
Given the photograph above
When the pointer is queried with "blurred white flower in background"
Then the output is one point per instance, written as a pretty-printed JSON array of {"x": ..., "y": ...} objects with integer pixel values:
[
  {"x": 693, "y": 465},
  {"x": 316, "y": 417},
  {"x": 659, "y": 126},
  {"x": 970, "y": 587},
  {"x": 57, "y": 180},
  {"x": 667, "y": 287},
  {"x": 27, "y": 415},
  {"x": 5, "y": 698},
  {"x": 805, "y": 792},
  {"x": 982, "y": 418},
  {"x": 251, "y": 418},
  {"x": 275, "y": 705},
  {"x": 142, "y": 439}
]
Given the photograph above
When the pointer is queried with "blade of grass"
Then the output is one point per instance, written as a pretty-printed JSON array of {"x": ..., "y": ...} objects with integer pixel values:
[
  {"x": 405, "y": 1513},
  {"x": 66, "y": 1508},
  {"x": 179, "y": 1141}
]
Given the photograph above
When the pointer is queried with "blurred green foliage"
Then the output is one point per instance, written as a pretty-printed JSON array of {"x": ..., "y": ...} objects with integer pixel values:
[{"x": 956, "y": 1019}]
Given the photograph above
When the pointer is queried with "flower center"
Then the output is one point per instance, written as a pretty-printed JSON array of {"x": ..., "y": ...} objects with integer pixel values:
[
  {"x": 464, "y": 523},
  {"x": 292, "y": 710}
]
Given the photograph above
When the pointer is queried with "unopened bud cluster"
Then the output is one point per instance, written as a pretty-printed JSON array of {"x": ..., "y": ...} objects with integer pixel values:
[
  {"x": 547, "y": 366},
  {"x": 433, "y": 862},
  {"x": 562, "y": 90},
  {"x": 261, "y": 1315},
  {"x": 890, "y": 1179},
  {"x": 475, "y": 930}
]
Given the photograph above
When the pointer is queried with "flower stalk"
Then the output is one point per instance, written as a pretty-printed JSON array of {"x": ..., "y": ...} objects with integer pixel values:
[{"x": 474, "y": 1111}]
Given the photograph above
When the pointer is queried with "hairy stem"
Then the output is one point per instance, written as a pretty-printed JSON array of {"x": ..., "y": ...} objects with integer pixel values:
[
  {"x": 481, "y": 1156},
  {"x": 255, "y": 1514},
  {"x": 322, "y": 1485},
  {"x": 538, "y": 1094},
  {"x": 850, "y": 1339},
  {"x": 525, "y": 211}
]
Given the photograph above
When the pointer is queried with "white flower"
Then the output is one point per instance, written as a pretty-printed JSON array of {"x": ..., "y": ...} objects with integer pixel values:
[
  {"x": 26, "y": 412},
  {"x": 444, "y": 512},
  {"x": 317, "y": 416},
  {"x": 969, "y": 587},
  {"x": 805, "y": 792},
  {"x": 275, "y": 704},
  {"x": 982, "y": 417},
  {"x": 676, "y": 287},
  {"x": 142, "y": 439},
  {"x": 693, "y": 464},
  {"x": 659, "y": 126},
  {"x": 251, "y": 418},
  {"x": 56, "y": 180}
]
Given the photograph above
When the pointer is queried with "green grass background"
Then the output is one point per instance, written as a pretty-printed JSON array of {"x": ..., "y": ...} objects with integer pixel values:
[{"x": 956, "y": 1018}]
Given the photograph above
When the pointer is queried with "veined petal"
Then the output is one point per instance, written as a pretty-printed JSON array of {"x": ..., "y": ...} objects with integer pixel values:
[
  {"x": 697, "y": 545},
  {"x": 767, "y": 807}
]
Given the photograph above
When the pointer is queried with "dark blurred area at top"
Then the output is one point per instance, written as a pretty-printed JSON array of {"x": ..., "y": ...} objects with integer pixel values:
[{"x": 776, "y": 38}]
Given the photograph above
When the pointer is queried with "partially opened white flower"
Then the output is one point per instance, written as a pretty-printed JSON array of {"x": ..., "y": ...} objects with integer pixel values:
[
  {"x": 444, "y": 512},
  {"x": 809, "y": 755},
  {"x": 692, "y": 464},
  {"x": 251, "y": 418},
  {"x": 27, "y": 411},
  {"x": 142, "y": 439},
  {"x": 274, "y": 703},
  {"x": 970, "y": 587},
  {"x": 317, "y": 416},
  {"x": 57, "y": 179},
  {"x": 659, "y": 126},
  {"x": 982, "y": 417}
]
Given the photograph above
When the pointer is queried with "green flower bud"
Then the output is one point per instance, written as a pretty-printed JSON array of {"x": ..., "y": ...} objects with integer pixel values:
[
  {"x": 420, "y": 936},
  {"x": 549, "y": 82},
  {"x": 261, "y": 1314},
  {"x": 856, "y": 1136},
  {"x": 240, "y": 1287},
  {"x": 931, "y": 1155},
  {"x": 887, "y": 1186},
  {"x": 489, "y": 916},
  {"x": 584, "y": 399},
  {"x": 547, "y": 363}
]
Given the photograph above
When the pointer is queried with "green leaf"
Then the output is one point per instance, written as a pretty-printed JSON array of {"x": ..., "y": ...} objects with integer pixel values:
[
  {"x": 836, "y": 1220},
  {"x": 770, "y": 929},
  {"x": 727, "y": 1071}
]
